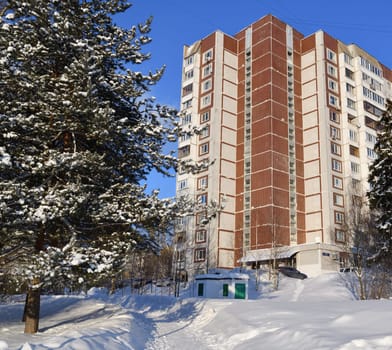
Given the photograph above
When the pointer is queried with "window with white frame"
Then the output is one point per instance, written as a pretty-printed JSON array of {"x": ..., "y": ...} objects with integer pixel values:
[
  {"x": 204, "y": 148},
  {"x": 207, "y": 85},
  {"x": 331, "y": 56},
  {"x": 334, "y": 133},
  {"x": 202, "y": 199},
  {"x": 335, "y": 148},
  {"x": 187, "y": 119},
  {"x": 207, "y": 56},
  {"x": 371, "y": 138},
  {"x": 348, "y": 59},
  {"x": 189, "y": 60},
  {"x": 350, "y": 89},
  {"x": 187, "y": 104},
  {"x": 205, "y": 117},
  {"x": 353, "y": 135},
  {"x": 337, "y": 182},
  {"x": 188, "y": 74},
  {"x": 337, "y": 165},
  {"x": 339, "y": 235},
  {"x": 332, "y": 85},
  {"x": 202, "y": 183},
  {"x": 207, "y": 70},
  {"x": 355, "y": 167},
  {"x": 331, "y": 70},
  {"x": 370, "y": 153},
  {"x": 351, "y": 103},
  {"x": 201, "y": 236},
  {"x": 205, "y": 132},
  {"x": 185, "y": 137},
  {"x": 206, "y": 101},
  {"x": 182, "y": 184},
  {"x": 339, "y": 217},
  {"x": 334, "y": 116},
  {"x": 338, "y": 200},
  {"x": 333, "y": 100},
  {"x": 200, "y": 254}
]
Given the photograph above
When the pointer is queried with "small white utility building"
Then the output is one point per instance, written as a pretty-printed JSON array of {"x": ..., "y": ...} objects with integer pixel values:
[{"x": 222, "y": 285}]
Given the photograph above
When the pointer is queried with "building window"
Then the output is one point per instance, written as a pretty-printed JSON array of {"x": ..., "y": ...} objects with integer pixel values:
[
  {"x": 188, "y": 74},
  {"x": 182, "y": 184},
  {"x": 348, "y": 59},
  {"x": 331, "y": 56},
  {"x": 338, "y": 200},
  {"x": 187, "y": 89},
  {"x": 355, "y": 167},
  {"x": 370, "y": 123},
  {"x": 371, "y": 67},
  {"x": 202, "y": 199},
  {"x": 334, "y": 101},
  {"x": 187, "y": 119},
  {"x": 202, "y": 183},
  {"x": 370, "y": 138},
  {"x": 207, "y": 85},
  {"x": 204, "y": 148},
  {"x": 339, "y": 217},
  {"x": 332, "y": 71},
  {"x": 351, "y": 103},
  {"x": 370, "y": 153},
  {"x": 350, "y": 89},
  {"x": 206, "y": 101},
  {"x": 335, "y": 148},
  {"x": 201, "y": 236},
  {"x": 187, "y": 104},
  {"x": 207, "y": 56},
  {"x": 334, "y": 133},
  {"x": 349, "y": 74},
  {"x": 207, "y": 70},
  {"x": 201, "y": 219},
  {"x": 189, "y": 60},
  {"x": 205, "y": 117},
  {"x": 373, "y": 96},
  {"x": 337, "y": 165},
  {"x": 372, "y": 109},
  {"x": 200, "y": 254},
  {"x": 354, "y": 151},
  {"x": 353, "y": 135},
  {"x": 337, "y": 182},
  {"x": 205, "y": 132},
  {"x": 332, "y": 85},
  {"x": 340, "y": 236},
  {"x": 184, "y": 151},
  {"x": 334, "y": 116}
]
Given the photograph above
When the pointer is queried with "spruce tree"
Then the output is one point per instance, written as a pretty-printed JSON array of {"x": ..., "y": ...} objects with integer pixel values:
[
  {"x": 77, "y": 138},
  {"x": 380, "y": 179}
]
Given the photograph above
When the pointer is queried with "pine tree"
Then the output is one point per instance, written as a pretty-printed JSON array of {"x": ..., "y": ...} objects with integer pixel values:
[
  {"x": 77, "y": 138},
  {"x": 380, "y": 179}
]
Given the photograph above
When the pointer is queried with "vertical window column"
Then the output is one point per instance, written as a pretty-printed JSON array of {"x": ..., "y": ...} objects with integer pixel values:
[
  {"x": 247, "y": 139},
  {"x": 291, "y": 131}
]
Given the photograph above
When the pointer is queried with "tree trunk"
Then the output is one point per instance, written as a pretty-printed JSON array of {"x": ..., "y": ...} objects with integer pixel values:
[{"x": 32, "y": 308}]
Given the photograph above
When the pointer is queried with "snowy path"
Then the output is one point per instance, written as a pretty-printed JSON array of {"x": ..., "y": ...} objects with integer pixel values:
[{"x": 187, "y": 330}]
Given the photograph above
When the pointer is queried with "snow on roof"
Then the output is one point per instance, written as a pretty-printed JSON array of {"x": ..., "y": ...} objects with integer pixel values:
[
  {"x": 284, "y": 252},
  {"x": 223, "y": 276}
]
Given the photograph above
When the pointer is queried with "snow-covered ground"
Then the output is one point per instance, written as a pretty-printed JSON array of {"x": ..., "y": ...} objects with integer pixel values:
[{"x": 317, "y": 313}]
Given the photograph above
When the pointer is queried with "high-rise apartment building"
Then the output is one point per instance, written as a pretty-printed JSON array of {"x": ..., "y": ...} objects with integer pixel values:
[{"x": 289, "y": 125}]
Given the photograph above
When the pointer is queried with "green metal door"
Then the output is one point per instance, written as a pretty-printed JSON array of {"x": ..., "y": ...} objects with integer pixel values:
[
  {"x": 200, "y": 289},
  {"x": 239, "y": 291}
]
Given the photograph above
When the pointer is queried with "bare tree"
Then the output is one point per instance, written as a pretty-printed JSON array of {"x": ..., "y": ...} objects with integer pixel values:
[{"x": 372, "y": 279}]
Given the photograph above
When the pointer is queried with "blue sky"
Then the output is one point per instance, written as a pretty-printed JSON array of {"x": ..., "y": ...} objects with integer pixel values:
[{"x": 178, "y": 22}]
